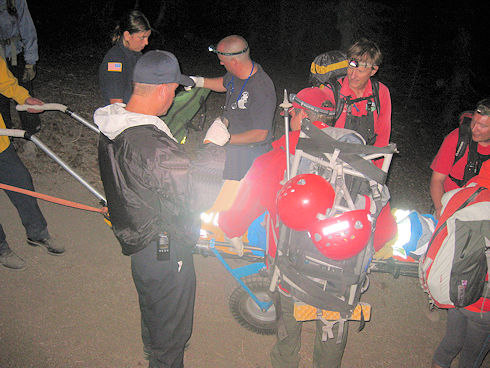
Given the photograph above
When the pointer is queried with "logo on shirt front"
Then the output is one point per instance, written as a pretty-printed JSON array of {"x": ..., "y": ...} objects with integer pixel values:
[
  {"x": 114, "y": 67},
  {"x": 243, "y": 100}
]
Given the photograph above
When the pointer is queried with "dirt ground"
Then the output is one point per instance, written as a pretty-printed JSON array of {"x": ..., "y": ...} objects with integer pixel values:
[{"x": 80, "y": 310}]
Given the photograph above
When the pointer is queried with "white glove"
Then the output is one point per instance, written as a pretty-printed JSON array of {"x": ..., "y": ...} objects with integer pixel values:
[
  {"x": 237, "y": 245},
  {"x": 217, "y": 133},
  {"x": 199, "y": 82}
]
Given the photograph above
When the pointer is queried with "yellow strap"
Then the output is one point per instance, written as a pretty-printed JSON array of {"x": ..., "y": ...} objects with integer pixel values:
[
  {"x": 304, "y": 312},
  {"x": 324, "y": 69}
]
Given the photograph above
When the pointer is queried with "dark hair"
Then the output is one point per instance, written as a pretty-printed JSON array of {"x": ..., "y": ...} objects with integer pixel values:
[
  {"x": 365, "y": 50},
  {"x": 483, "y": 106},
  {"x": 485, "y": 102},
  {"x": 134, "y": 21}
]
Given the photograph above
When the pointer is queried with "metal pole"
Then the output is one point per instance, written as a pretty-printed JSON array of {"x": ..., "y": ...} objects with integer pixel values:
[
  {"x": 65, "y": 166},
  {"x": 22, "y": 134},
  {"x": 82, "y": 120},
  {"x": 63, "y": 109},
  {"x": 286, "y": 105}
]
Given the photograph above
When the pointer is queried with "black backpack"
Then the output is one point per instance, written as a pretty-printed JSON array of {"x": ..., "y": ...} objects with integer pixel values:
[{"x": 327, "y": 69}]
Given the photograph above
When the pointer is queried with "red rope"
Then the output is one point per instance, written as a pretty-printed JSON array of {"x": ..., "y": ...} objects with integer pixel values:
[{"x": 49, "y": 198}]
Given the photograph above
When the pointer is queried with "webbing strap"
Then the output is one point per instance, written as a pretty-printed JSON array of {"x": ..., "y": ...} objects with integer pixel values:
[
  {"x": 365, "y": 167},
  {"x": 320, "y": 143},
  {"x": 309, "y": 291},
  {"x": 327, "y": 329},
  {"x": 52, "y": 199},
  {"x": 316, "y": 134}
]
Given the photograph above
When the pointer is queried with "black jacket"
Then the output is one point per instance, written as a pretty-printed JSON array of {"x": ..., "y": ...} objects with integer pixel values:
[{"x": 145, "y": 177}]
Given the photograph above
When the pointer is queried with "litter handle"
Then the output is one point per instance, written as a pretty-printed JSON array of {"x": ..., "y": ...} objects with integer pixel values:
[
  {"x": 59, "y": 107},
  {"x": 45, "y": 107},
  {"x": 19, "y": 133}
]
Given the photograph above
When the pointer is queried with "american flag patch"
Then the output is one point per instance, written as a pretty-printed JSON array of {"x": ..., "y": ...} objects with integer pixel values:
[{"x": 114, "y": 67}]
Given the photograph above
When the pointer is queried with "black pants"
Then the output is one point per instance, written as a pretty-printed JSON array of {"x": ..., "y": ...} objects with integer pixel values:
[
  {"x": 31, "y": 123},
  {"x": 166, "y": 292},
  {"x": 14, "y": 173}
]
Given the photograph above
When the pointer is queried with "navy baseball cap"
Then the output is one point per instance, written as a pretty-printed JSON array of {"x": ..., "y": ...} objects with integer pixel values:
[{"x": 159, "y": 67}]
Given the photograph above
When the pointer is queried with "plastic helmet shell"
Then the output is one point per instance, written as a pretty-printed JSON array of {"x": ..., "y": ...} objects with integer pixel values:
[
  {"x": 302, "y": 198},
  {"x": 343, "y": 236}
]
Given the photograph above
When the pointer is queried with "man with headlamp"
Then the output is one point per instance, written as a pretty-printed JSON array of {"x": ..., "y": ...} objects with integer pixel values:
[
  {"x": 459, "y": 160},
  {"x": 249, "y": 105},
  {"x": 367, "y": 108}
]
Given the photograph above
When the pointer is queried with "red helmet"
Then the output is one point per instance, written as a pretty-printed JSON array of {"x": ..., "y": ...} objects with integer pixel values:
[
  {"x": 302, "y": 198},
  {"x": 343, "y": 236}
]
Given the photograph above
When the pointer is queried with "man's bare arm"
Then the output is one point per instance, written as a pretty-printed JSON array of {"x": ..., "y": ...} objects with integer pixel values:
[
  {"x": 250, "y": 136},
  {"x": 214, "y": 84},
  {"x": 437, "y": 191}
]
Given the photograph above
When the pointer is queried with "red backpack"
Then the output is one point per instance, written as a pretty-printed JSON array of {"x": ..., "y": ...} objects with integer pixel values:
[{"x": 454, "y": 269}]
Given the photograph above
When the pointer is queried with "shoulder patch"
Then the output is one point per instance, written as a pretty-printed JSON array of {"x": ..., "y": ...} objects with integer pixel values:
[{"x": 114, "y": 67}]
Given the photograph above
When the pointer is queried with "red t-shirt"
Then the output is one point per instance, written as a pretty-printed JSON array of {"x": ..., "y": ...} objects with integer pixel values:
[
  {"x": 444, "y": 161},
  {"x": 382, "y": 121}
]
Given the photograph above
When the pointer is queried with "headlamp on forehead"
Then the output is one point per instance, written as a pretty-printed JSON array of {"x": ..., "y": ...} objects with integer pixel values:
[
  {"x": 483, "y": 110},
  {"x": 483, "y": 107},
  {"x": 212, "y": 48},
  {"x": 353, "y": 63}
]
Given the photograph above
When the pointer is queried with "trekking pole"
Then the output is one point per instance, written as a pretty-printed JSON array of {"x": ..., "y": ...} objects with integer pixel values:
[
  {"x": 22, "y": 134},
  {"x": 286, "y": 105},
  {"x": 63, "y": 109}
]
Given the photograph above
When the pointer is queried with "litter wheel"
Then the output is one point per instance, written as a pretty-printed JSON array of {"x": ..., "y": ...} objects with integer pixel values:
[{"x": 247, "y": 312}]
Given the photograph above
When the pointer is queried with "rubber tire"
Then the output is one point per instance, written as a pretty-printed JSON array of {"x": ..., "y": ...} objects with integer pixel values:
[{"x": 246, "y": 311}]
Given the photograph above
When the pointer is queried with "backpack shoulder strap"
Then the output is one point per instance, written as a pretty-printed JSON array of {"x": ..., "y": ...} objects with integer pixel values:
[
  {"x": 374, "y": 96},
  {"x": 339, "y": 101},
  {"x": 375, "y": 87},
  {"x": 464, "y": 140},
  {"x": 464, "y": 135}
]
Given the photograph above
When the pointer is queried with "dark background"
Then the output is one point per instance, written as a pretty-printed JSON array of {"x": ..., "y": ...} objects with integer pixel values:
[{"x": 435, "y": 55}]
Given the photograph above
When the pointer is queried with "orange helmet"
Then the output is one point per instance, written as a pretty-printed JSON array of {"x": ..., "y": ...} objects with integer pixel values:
[
  {"x": 302, "y": 198},
  {"x": 343, "y": 236}
]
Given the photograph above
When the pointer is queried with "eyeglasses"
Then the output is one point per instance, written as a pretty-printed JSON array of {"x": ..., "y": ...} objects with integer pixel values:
[
  {"x": 212, "y": 48},
  {"x": 353, "y": 63}
]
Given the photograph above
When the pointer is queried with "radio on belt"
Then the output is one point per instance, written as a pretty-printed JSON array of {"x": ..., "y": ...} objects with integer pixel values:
[{"x": 163, "y": 247}]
